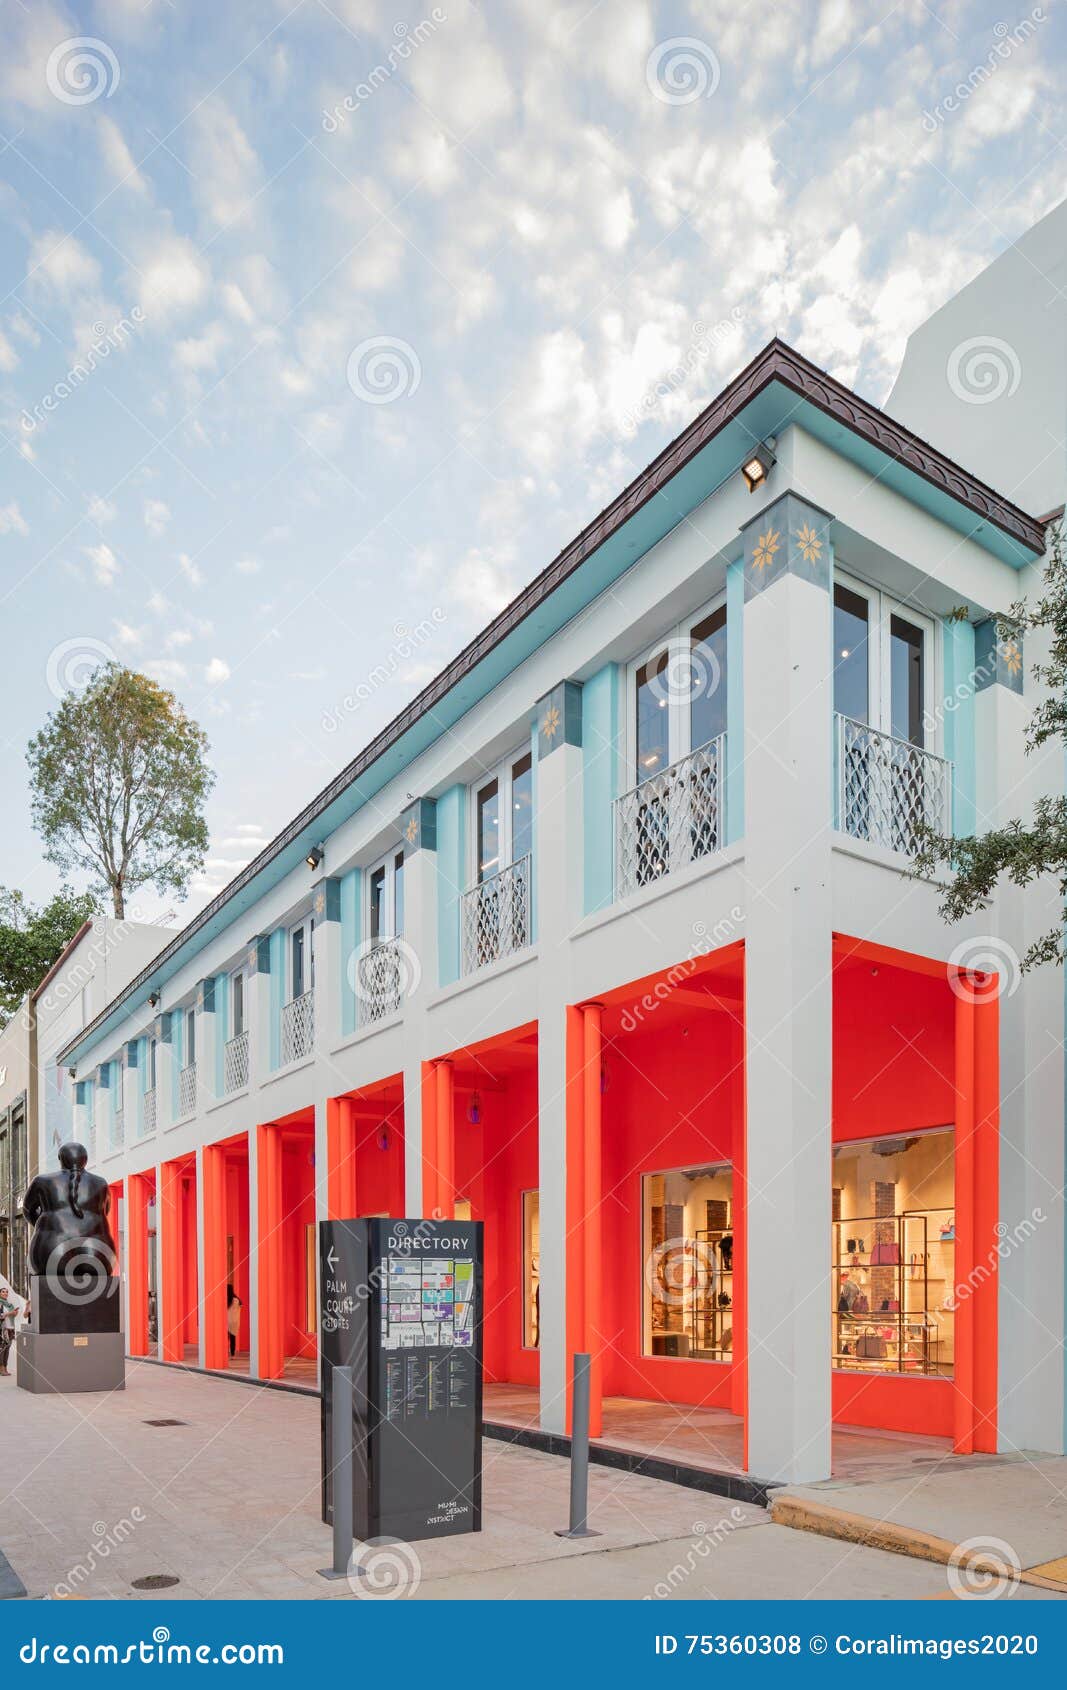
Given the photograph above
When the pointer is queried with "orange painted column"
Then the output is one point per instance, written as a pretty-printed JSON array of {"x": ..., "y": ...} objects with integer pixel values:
[
  {"x": 117, "y": 1196},
  {"x": 964, "y": 1407},
  {"x": 171, "y": 1251},
  {"x": 592, "y": 1195},
  {"x": 446, "y": 1141},
  {"x": 190, "y": 1330},
  {"x": 216, "y": 1348},
  {"x": 341, "y": 1196},
  {"x": 986, "y": 1212},
  {"x": 430, "y": 1204},
  {"x": 739, "y": 1110},
  {"x": 269, "y": 1210},
  {"x": 575, "y": 1194},
  {"x": 137, "y": 1263}
]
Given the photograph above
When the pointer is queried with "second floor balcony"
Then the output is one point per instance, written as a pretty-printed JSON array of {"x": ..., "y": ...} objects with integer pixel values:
[
  {"x": 235, "y": 1063},
  {"x": 298, "y": 1028},
  {"x": 672, "y": 819},
  {"x": 887, "y": 789},
  {"x": 148, "y": 1117},
  {"x": 495, "y": 916},
  {"x": 380, "y": 981},
  {"x": 187, "y": 1090}
]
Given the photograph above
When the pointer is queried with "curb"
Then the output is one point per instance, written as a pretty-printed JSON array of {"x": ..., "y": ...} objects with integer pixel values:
[{"x": 825, "y": 1521}]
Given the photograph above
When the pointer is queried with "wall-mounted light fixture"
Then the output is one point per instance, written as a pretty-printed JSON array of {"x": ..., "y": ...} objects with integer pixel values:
[
  {"x": 757, "y": 466},
  {"x": 474, "y": 1108},
  {"x": 315, "y": 856},
  {"x": 153, "y": 1000}
]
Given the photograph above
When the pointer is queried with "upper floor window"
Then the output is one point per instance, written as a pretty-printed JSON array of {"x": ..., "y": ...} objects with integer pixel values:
[
  {"x": 301, "y": 957},
  {"x": 503, "y": 816},
  {"x": 151, "y": 1065},
  {"x": 883, "y": 662},
  {"x": 385, "y": 890},
  {"x": 190, "y": 1038},
  {"x": 237, "y": 1004},
  {"x": 678, "y": 694}
]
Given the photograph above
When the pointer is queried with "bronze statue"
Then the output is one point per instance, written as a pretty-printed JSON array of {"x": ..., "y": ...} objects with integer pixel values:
[{"x": 68, "y": 1212}]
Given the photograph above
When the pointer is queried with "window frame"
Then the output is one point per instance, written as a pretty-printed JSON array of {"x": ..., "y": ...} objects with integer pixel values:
[
  {"x": 387, "y": 866},
  {"x": 503, "y": 773},
  {"x": 237, "y": 978},
  {"x": 305, "y": 926},
  {"x": 676, "y": 641},
  {"x": 882, "y": 608}
]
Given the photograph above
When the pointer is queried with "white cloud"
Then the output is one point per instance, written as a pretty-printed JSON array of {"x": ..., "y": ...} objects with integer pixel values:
[
  {"x": 217, "y": 671},
  {"x": 159, "y": 604},
  {"x": 12, "y": 520},
  {"x": 225, "y": 168},
  {"x": 105, "y": 564},
  {"x": 248, "y": 566},
  {"x": 127, "y": 636},
  {"x": 192, "y": 571},
  {"x": 117, "y": 157},
  {"x": 201, "y": 352},
  {"x": 460, "y": 76},
  {"x": 171, "y": 278},
  {"x": 177, "y": 638},
  {"x": 167, "y": 671},
  {"x": 101, "y": 510},
  {"x": 8, "y": 356},
  {"x": 156, "y": 516},
  {"x": 60, "y": 264}
]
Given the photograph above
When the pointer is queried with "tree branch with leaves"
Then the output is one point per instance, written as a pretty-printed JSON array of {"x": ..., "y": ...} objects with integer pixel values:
[
  {"x": 1020, "y": 852},
  {"x": 119, "y": 779}
]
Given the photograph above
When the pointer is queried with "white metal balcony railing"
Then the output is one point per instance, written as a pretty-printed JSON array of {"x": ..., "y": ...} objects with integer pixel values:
[
  {"x": 495, "y": 916},
  {"x": 672, "y": 819},
  {"x": 149, "y": 1110},
  {"x": 187, "y": 1090},
  {"x": 298, "y": 1028},
  {"x": 235, "y": 1063},
  {"x": 380, "y": 981},
  {"x": 887, "y": 788}
]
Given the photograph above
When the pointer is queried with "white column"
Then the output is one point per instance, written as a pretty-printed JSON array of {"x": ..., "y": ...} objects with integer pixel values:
[
  {"x": 206, "y": 1036},
  {"x": 788, "y": 790},
  {"x": 419, "y": 974},
  {"x": 1030, "y": 1276},
  {"x": 558, "y": 893},
  {"x": 258, "y": 1010},
  {"x": 165, "y": 1073}
]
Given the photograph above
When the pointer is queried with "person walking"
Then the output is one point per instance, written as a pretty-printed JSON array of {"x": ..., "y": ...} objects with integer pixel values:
[
  {"x": 8, "y": 1315},
  {"x": 233, "y": 1317}
]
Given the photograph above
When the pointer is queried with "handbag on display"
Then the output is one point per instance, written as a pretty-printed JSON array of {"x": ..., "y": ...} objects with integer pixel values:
[
  {"x": 886, "y": 1254},
  {"x": 948, "y": 1230},
  {"x": 861, "y": 1305},
  {"x": 870, "y": 1346}
]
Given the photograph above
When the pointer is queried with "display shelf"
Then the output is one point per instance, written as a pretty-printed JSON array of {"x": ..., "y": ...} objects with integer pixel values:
[{"x": 892, "y": 1268}]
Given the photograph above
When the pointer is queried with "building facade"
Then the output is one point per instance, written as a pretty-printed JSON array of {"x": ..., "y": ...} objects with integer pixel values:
[
  {"x": 18, "y": 1147},
  {"x": 609, "y": 941}
]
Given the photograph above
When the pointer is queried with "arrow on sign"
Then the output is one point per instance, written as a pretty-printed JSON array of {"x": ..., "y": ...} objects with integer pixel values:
[{"x": 331, "y": 1260}]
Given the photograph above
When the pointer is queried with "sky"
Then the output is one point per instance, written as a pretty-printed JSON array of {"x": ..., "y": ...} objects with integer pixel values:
[{"x": 324, "y": 326}]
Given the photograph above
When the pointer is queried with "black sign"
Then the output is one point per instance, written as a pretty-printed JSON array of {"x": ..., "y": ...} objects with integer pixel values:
[{"x": 402, "y": 1306}]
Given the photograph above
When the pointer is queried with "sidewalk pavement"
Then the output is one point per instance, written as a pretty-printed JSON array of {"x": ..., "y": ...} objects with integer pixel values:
[{"x": 1008, "y": 1509}]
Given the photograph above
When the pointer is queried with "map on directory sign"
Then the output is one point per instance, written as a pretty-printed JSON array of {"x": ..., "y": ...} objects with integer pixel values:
[{"x": 428, "y": 1302}]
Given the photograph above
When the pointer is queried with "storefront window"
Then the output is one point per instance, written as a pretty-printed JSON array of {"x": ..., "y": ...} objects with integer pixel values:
[
  {"x": 531, "y": 1270},
  {"x": 688, "y": 1288},
  {"x": 893, "y": 1254}
]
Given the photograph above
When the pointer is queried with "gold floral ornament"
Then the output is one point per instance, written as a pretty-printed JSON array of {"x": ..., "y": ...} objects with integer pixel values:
[
  {"x": 411, "y": 832},
  {"x": 808, "y": 541},
  {"x": 550, "y": 725},
  {"x": 766, "y": 546},
  {"x": 320, "y": 903},
  {"x": 1013, "y": 657}
]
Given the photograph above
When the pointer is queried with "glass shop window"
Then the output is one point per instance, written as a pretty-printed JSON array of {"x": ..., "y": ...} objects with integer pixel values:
[
  {"x": 688, "y": 1251},
  {"x": 892, "y": 1254},
  {"x": 531, "y": 1270}
]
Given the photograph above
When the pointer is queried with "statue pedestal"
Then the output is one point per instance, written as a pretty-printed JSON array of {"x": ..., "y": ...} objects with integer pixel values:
[
  {"x": 72, "y": 1342},
  {"x": 67, "y": 1362}
]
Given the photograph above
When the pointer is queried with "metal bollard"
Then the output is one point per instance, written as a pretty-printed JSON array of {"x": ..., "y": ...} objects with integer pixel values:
[
  {"x": 341, "y": 1467},
  {"x": 580, "y": 1451}
]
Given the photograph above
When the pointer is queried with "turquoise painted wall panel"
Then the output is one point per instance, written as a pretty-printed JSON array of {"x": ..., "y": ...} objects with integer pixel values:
[{"x": 351, "y": 936}]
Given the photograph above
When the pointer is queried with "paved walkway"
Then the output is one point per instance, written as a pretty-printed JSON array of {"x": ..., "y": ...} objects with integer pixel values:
[{"x": 227, "y": 1502}]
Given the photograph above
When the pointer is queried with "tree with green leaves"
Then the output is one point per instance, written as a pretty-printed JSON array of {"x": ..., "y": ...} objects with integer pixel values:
[
  {"x": 32, "y": 937},
  {"x": 1021, "y": 851},
  {"x": 118, "y": 780}
]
